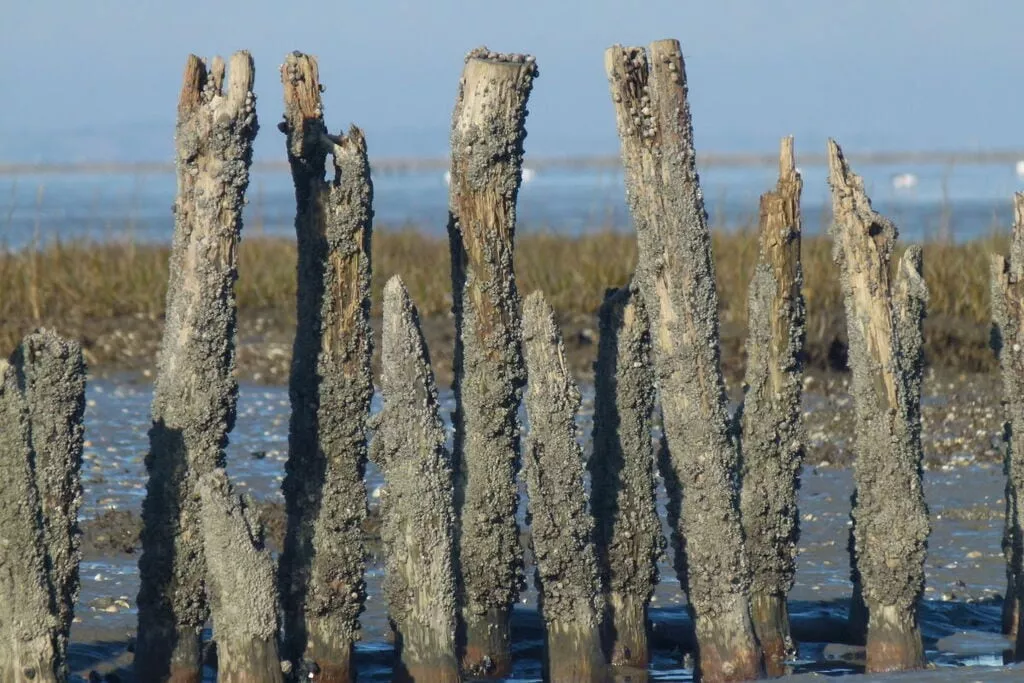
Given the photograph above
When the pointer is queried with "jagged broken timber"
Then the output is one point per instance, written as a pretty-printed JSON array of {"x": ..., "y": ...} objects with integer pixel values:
[
  {"x": 884, "y": 329},
  {"x": 769, "y": 416},
  {"x": 321, "y": 573},
  {"x": 195, "y": 392}
]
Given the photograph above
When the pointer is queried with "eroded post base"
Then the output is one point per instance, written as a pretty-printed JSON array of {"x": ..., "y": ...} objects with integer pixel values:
[
  {"x": 894, "y": 640},
  {"x": 573, "y": 655},
  {"x": 627, "y": 631},
  {"x": 770, "y": 615},
  {"x": 727, "y": 650},
  {"x": 487, "y": 650}
]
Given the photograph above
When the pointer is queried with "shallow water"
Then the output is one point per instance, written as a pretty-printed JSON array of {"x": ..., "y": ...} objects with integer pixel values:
[{"x": 961, "y": 615}]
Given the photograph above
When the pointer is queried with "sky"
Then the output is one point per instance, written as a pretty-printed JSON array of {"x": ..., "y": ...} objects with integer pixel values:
[{"x": 97, "y": 80}]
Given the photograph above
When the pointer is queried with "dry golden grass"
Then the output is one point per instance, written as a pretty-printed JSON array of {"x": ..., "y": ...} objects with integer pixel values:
[{"x": 74, "y": 285}]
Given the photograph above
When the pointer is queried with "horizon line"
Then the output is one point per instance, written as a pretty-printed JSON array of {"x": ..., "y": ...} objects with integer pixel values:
[{"x": 400, "y": 165}]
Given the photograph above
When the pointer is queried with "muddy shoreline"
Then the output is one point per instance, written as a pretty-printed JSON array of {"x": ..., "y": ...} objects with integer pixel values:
[{"x": 964, "y": 486}]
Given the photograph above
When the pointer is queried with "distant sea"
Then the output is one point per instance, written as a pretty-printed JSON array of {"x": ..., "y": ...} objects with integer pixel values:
[{"x": 961, "y": 202}]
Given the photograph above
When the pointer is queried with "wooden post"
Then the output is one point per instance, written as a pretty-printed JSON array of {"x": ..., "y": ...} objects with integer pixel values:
[
  {"x": 772, "y": 439},
  {"x": 51, "y": 374},
  {"x": 241, "y": 584},
  {"x": 321, "y": 578},
  {"x": 676, "y": 278},
  {"x": 195, "y": 392},
  {"x": 417, "y": 504},
  {"x": 568, "y": 583},
  {"x": 1007, "y": 316},
  {"x": 629, "y": 539},
  {"x": 488, "y": 128},
  {"x": 28, "y": 626},
  {"x": 884, "y": 328}
]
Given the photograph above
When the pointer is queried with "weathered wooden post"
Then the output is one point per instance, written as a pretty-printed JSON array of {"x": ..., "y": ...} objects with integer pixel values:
[
  {"x": 241, "y": 584},
  {"x": 195, "y": 392},
  {"x": 568, "y": 582},
  {"x": 51, "y": 374},
  {"x": 676, "y": 278},
  {"x": 629, "y": 539},
  {"x": 488, "y": 128},
  {"x": 417, "y": 504},
  {"x": 884, "y": 328},
  {"x": 28, "y": 626},
  {"x": 321, "y": 574},
  {"x": 772, "y": 440},
  {"x": 1007, "y": 313}
]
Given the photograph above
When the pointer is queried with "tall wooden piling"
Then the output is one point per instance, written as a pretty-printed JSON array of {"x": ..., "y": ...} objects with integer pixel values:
[
  {"x": 488, "y": 128},
  {"x": 195, "y": 392},
  {"x": 568, "y": 581},
  {"x": 884, "y": 328},
  {"x": 629, "y": 538},
  {"x": 241, "y": 583},
  {"x": 772, "y": 440},
  {"x": 321, "y": 574},
  {"x": 1007, "y": 285},
  {"x": 28, "y": 625},
  {"x": 676, "y": 278},
  {"x": 417, "y": 503}
]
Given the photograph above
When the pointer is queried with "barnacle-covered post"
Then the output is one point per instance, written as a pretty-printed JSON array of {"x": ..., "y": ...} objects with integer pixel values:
[
  {"x": 884, "y": 327},
  {"x": 488, "y": 128},
  {"x": 772, "y": 443},
  {"x": 321, "y": 573},
  {"x": 241, "y": 584},
  {"x": 195, "y": 392},
  {"x": 628, "y": 531},
  {"x": 417, "y": 506},
  {"x": 568, "y": 582},
  {"x": 28, "y": 648},
  {"x": 1007, "y": 340},
  {"x": 676, "y": 278},
  {"x": 51, "y": 374}
]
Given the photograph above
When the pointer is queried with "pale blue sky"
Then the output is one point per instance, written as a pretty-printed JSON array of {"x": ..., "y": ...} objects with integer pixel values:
[{"x": 99, "y": 78}]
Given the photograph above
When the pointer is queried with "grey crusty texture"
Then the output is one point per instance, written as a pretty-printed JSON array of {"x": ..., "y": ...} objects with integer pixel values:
[
  {"x": 27, "y": 624},
  {"x": 629, "y": 538},
  {"x": 321, "y": 574},
  {"x": 561, "y": 528},
  {"x": 772, "y": 437},
  {"x": 195, "y": 392},
  {"x": 241, "y": 582},
  {"x": 884, "y": 328},
  {"x": 676, "y": 279},
  {"x": 488, "y": 129},
  {"x": 417, "y": 503},
  {"x": 51, "y": 374},
  {"x": 1007, "y": 285}
]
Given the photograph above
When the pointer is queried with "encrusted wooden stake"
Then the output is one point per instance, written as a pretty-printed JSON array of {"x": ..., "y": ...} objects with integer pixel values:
[
  {"x": 321, "y": 574},
  {"x": 629, "y": 539},
  {"x": 676, "y": 278},
  {"x": 886, "y": 357},
  {"x": 488, "y": 128},
  {"x": 1007, "y": 341},
  {"x": 417, "y": 505},
  {"x": 195, "y": 393},
  {"x": 568, "y": 582},
  {"x": 242, "y": 585},
  {"x": 772, "y": 441}
]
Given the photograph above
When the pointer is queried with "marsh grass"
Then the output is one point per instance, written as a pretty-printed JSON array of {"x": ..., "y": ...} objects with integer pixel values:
[{"x": 73, "y": 286}]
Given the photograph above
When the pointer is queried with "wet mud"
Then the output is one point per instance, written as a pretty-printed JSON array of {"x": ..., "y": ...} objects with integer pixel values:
[{"x": 964, "y": 488}]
